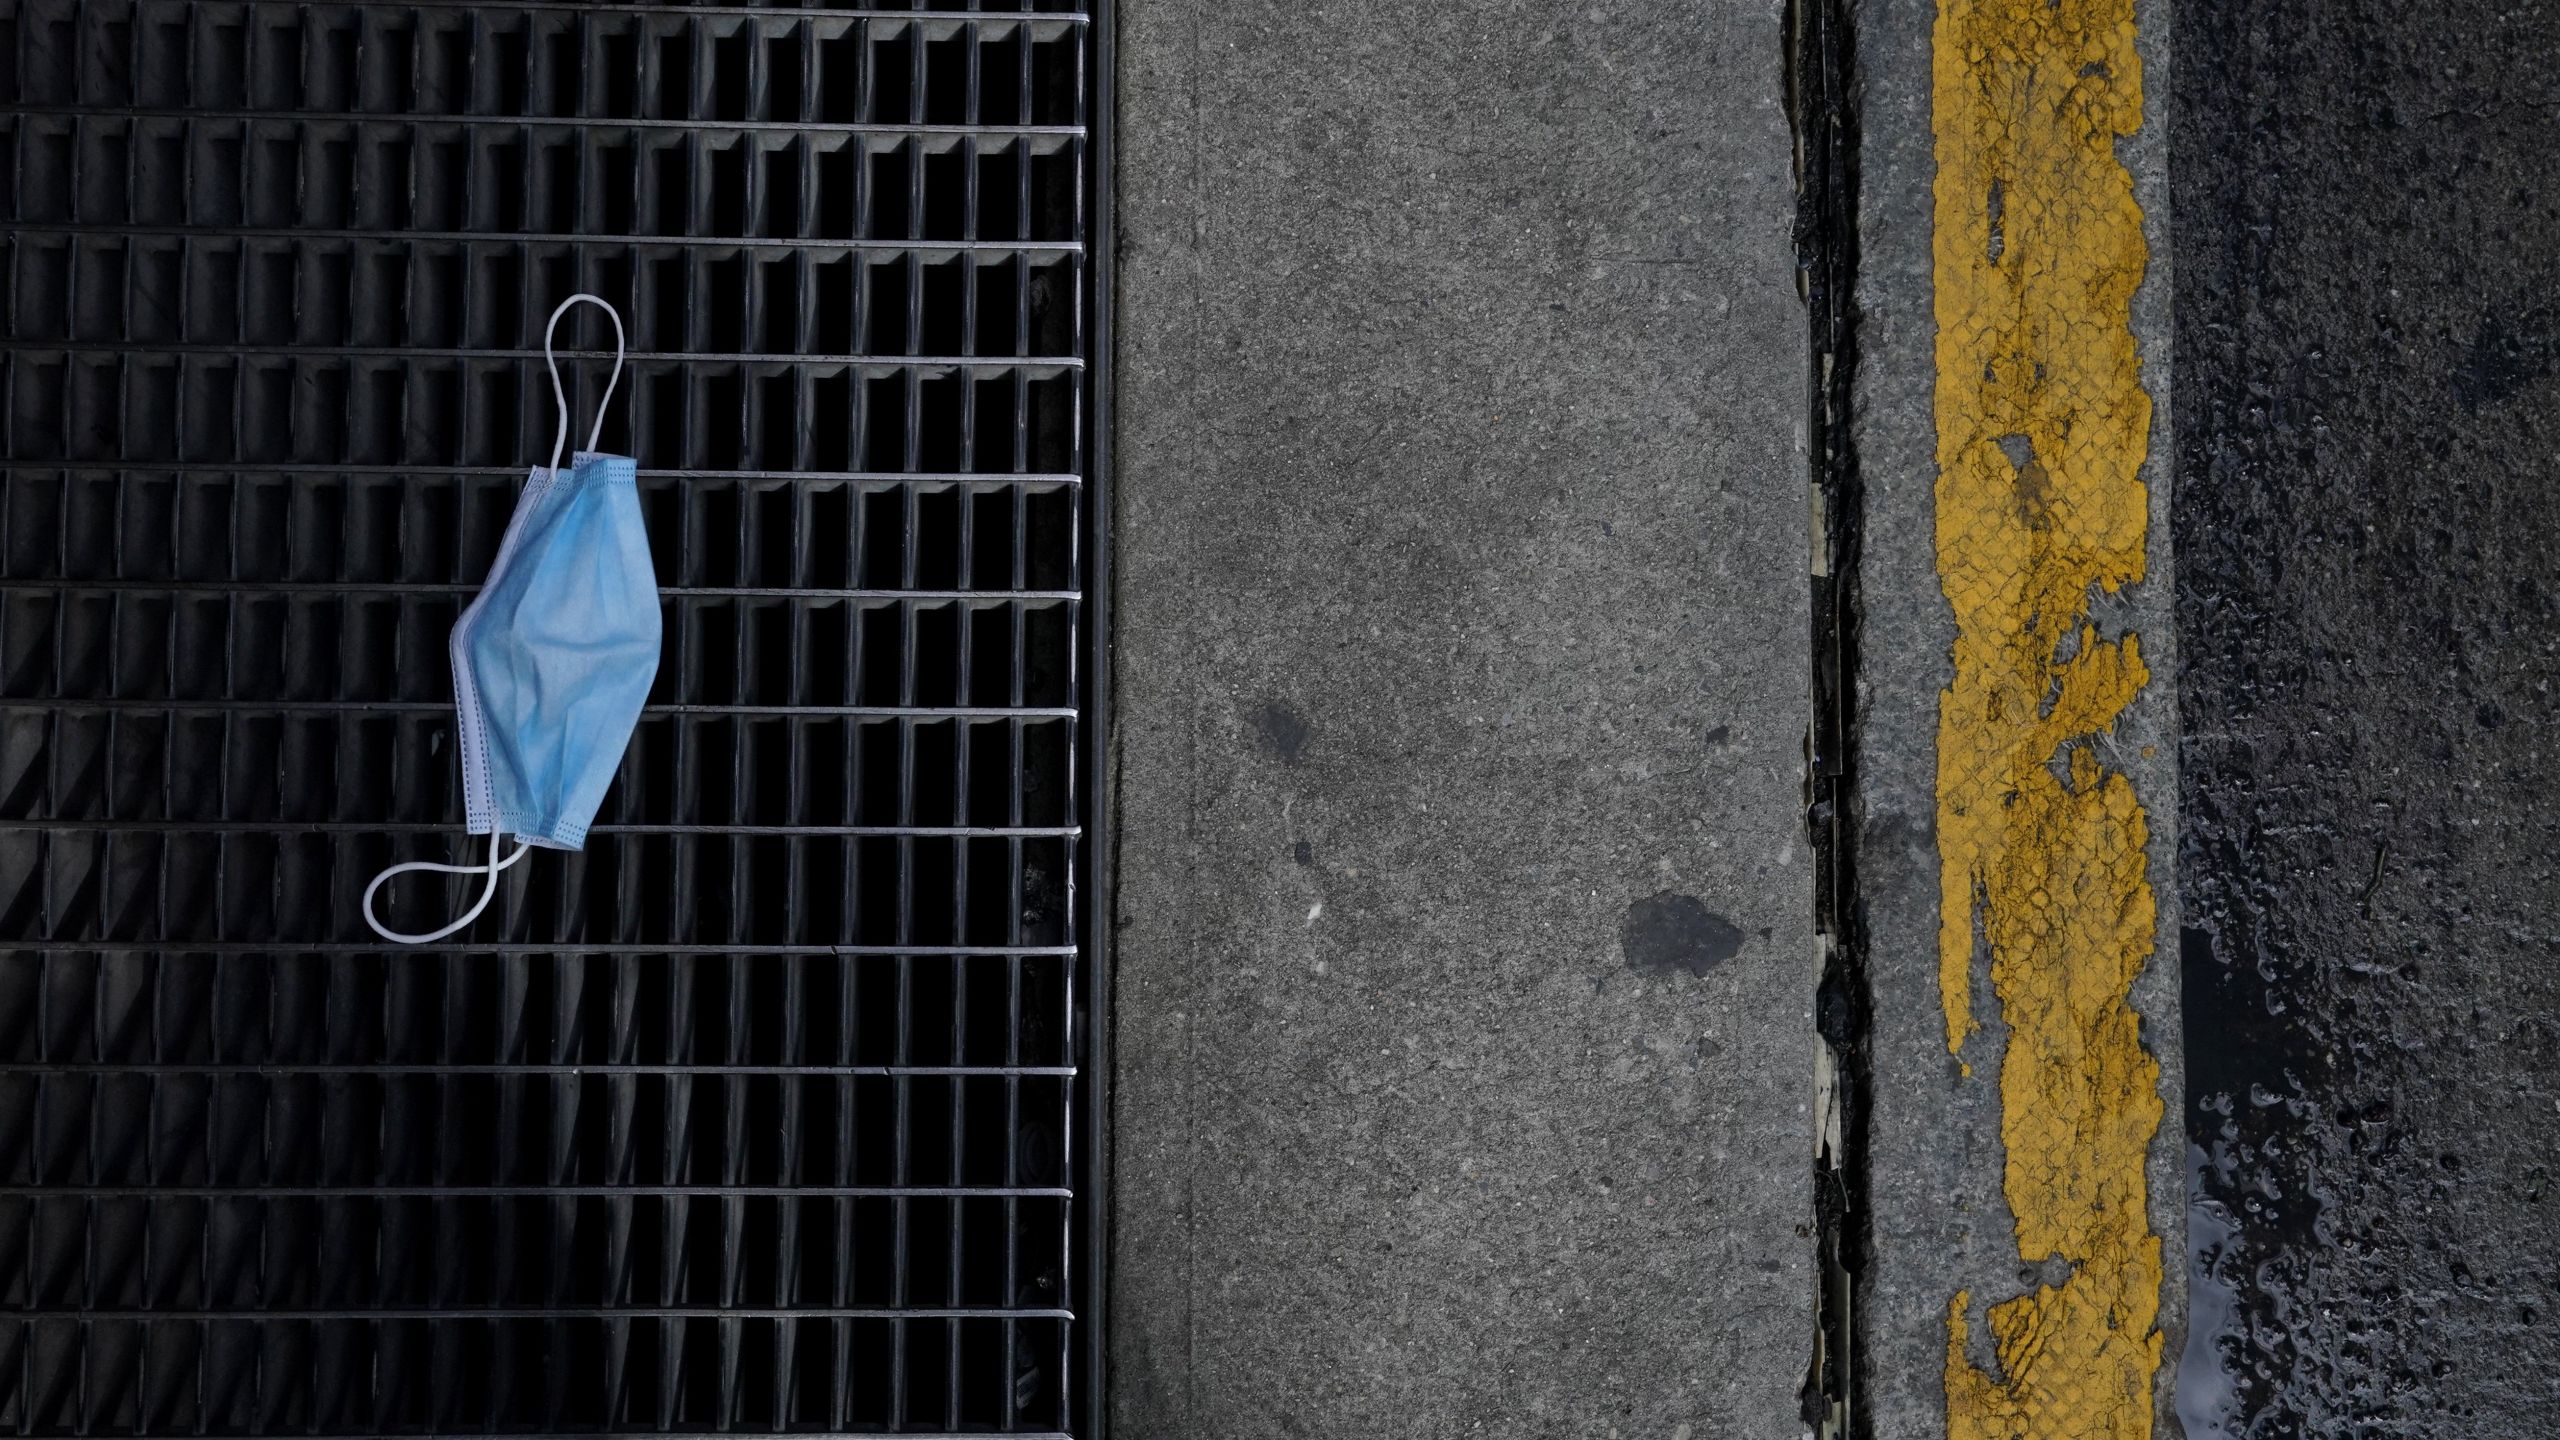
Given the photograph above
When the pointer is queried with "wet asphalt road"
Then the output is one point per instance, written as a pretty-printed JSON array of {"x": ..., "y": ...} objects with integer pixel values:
[{"x": 2367, "y": 526}]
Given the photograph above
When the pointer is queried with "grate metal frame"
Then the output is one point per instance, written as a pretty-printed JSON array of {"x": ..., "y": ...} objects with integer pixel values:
[{"x": 777, "y": 1108}]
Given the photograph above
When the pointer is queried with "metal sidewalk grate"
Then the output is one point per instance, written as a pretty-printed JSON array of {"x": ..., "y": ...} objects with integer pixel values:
[{"x": 762, "y": 1113}]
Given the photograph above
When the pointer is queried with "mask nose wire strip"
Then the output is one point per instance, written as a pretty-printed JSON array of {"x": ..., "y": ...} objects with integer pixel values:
[
  {"x": 560, "y": 394},
  {"x": 487, "y": 892}
]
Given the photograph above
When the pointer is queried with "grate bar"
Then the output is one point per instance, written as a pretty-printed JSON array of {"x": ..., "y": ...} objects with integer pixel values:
[
  {"x": 535, "y": 1192},
  {"x": 884, "y": 480},
  {"x": 687, "y": 126},
  {"x": 58, "y": 1067},
  {"x": 677, "y": 1433},
  {"x": 467, "y": 1312},
  {"x": 762, "y": 248},
  {"x": 880, "y": 365},
  {"x": 513, "y": 948},
  {"x": 393, "y": 588},
  {"x": 429, "y": 707},
  {"x": 416, "y": 827},
  {"x": 1030, "y": 11}
]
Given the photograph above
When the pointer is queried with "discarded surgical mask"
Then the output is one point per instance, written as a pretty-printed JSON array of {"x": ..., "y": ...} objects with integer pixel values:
[{"x": 552, "y": 661}]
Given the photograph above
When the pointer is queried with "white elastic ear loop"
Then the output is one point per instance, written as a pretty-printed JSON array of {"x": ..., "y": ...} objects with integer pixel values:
[
  {"x": 486, "y": 895},
  {"x": 561, "y": 443}
]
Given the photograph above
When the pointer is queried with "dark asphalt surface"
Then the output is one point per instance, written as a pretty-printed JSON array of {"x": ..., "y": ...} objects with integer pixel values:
[{"x": 2368, "y": 538}]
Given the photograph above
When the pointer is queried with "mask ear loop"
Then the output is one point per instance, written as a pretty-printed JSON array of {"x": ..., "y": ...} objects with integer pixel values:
[
  {"x": 558, "y": 393},
  {"x": 487, "y": 893}
]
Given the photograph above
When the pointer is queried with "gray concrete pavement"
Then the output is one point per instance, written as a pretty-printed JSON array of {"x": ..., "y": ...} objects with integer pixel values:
[{"x": 1464, "y": 969}]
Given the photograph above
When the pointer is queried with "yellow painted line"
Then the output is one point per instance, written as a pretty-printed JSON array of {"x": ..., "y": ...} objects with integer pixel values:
[{"x": 2043, "y": 425}]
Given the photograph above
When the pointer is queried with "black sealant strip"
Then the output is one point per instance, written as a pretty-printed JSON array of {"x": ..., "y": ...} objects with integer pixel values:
[{"x": 1820, "y": 78}]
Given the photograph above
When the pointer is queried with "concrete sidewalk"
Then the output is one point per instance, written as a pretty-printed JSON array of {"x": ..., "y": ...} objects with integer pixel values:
[{"x": 1464, "y": 1054}]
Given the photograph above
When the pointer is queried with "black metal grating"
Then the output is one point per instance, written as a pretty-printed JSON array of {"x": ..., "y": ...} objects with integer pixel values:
[{"x": 757, "y": 1114}]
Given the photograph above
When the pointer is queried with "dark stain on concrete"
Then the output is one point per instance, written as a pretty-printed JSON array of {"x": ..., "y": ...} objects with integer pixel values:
[
  {"x": 1304, "y": 853},
  {"x": 1282, "y": 731},
  {"x": 1668, "y": 931}
]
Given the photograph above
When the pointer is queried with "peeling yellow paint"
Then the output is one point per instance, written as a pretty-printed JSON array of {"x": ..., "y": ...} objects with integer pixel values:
[{"x": 2042, "y": 429}]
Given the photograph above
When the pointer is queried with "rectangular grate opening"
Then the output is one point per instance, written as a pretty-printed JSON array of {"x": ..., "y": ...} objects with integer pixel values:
[{"x": 766, "y": 1111}]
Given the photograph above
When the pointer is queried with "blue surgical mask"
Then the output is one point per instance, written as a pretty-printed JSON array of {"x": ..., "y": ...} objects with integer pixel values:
[{"x": 552, "y": 661}]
